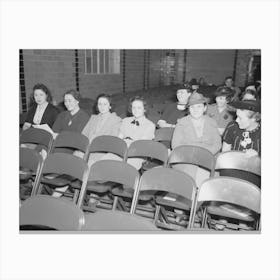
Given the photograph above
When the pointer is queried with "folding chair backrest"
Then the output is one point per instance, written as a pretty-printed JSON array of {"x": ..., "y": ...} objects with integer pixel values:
[
  {"x": 30, "y": 159},
  {"x": 72, "y": 140},
  {"x": 148, "y": 149},
  {"x": 68, "y": 164},
  {"x": 238, "y": 160},
  {"x": 166, "y": 179},
  {"x": 193, "y": 155},
  {"x": 231, "y": 190},
  {"x": 112, "y": 171},
  {"x": 164, "y": 134},
  {"x": 37, "y": 136},
  {"x": 51, "y": 212},
  {"x": 117, "y": 221},
  {"x": 108, "y": 144}
]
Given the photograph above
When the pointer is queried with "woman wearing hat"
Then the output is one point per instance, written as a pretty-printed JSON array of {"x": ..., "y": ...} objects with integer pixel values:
[
  {"x": 244, "y": 134},
  {"x": 220, "y": 111},
  {"x": 197, "y": 129}
]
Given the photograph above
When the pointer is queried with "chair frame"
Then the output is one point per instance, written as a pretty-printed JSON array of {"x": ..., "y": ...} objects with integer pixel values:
[
  {"x": 169, "y": 180},
  {"x": 229, "y": 190}
]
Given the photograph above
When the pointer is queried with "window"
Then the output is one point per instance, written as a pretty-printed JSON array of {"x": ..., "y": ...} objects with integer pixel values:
[{"x": 102, "y": 61}]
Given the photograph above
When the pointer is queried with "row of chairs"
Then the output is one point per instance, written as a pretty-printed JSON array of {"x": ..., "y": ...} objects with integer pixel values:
[
  {"x": 56, "y": 213},
  {"x": 161, "y": 179},
  {"x": 192, "y": 155}
]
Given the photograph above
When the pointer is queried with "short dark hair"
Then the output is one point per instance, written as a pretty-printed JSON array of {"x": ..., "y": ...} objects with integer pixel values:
[
  {"x": 229, "y": 77},
  {"x": 45, "y": 89},
  {"x": 255, "y": 115},
  {"x": 106, "y": 96},
  {"x": 138, "y": 98},
  {"x": 252, "y": 92},
  {"x": 74, "y": 93}
]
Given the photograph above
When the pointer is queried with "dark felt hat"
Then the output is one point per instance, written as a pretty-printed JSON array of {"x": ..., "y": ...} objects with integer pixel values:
[
  {"x": 251, "y": 105},
  {"x": 224, "y": 91}
]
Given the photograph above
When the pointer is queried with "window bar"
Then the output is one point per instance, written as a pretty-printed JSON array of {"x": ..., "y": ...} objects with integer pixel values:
[{"x": 98, "y": 68}]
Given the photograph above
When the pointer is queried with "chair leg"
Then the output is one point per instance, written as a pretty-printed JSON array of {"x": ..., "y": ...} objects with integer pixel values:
[
  {"x": 115, "y": 203},
  {"x": 157, "y": 213},
  {"x": 204, "y": 218},
  {"x": 76, "y": 196}
]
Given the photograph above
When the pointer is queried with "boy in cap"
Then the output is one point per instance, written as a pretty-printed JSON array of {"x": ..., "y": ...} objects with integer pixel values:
[{"x": 220, "y": 111}]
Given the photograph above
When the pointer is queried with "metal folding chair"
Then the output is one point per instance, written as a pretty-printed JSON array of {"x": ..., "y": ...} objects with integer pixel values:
[
  {"x": 60, "y": 170},
  {"x": 175, "y": 188},
  {"x": 117, "y": 221},
  {"x": 105, "y": 174},
  {"x": 42, "y": 212},
  {"x": 237, "y": 164},
  {"x": 30, "y": 162},
  {"x": 164, "y": 135},
  {"x": 227, "y": 202}
]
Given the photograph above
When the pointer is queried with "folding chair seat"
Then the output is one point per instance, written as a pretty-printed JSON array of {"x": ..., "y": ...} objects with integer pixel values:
[
  {"x": 175, "y": 187},
  {"x": 155, "y": 153},
  {"x": 164, "y": 135},
  {"x": 42, "y": 212},
  {"x": 229, "y": 203},
  {"x": 60, "y": 170},
  {"x": 69, "y": 142},
  {"x": 238, "y": 165},
  {"x": 38, "y": 137},
  {"x": 110, "y": 173},
  {"x": 116, "y": 221},
  {"x": 29, "y": 170}
]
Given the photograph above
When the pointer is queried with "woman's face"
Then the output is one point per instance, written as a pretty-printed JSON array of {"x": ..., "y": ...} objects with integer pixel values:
[
  {"x": 138, "y": 109},
  {"x": 221, "y": 101},
  {"x": 70, "y": 102},
  {"x": 103, "y": 105},
  {"x": 40, "y": 96},
  {"x": 243, "y": 119},
  {"x": 183, "y": 96},
  {"x": 197, "y": 110},
  {"x": 248, "y": 96}
]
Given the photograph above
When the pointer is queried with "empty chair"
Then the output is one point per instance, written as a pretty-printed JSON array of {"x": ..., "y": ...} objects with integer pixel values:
[
  {"x": 37, "y": 137},
  {"x": 237, "y": 164},
  {"x": 229, "y": 202},
  {"x": 60, "y": 170},
  {"x": 107, "y": 144},
  {"x": 42, "y": 212},
  {"x": 187, "y": 154},
  {"x": 164, "y": 135},
  {"x": 69, "y": 142},
  {"x": 153, "y": 152},
  {"x": 173, "y": 190},
  {"x": 116, "y": 221},
  {"x": 105, "y": 174},
  {"x": 30, "y": 163}
]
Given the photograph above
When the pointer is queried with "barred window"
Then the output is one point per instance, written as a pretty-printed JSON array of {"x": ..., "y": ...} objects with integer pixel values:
[{"x": 102, "y": 61}]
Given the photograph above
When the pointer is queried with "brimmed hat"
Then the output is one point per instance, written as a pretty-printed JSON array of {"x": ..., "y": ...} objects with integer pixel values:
[
  {"x": 251, "y": 105},
  {"x": 196, "y": 98},
  {"x": 224, "y": 91}
]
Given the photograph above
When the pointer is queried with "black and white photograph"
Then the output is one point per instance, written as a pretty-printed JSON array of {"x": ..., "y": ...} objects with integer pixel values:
[
  {"x": 136, "y": 139},
  {"x": 140, "y": 140}
]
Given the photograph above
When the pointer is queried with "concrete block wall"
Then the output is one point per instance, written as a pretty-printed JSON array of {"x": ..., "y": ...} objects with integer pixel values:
[{"x": 54, "y": 68}]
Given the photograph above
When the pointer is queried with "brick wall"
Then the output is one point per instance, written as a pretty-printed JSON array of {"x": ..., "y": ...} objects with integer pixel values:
[{"x": 54, "y": 68}]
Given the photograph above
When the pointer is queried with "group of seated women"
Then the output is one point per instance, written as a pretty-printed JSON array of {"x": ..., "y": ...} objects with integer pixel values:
[{"x": 213, "y": 127}]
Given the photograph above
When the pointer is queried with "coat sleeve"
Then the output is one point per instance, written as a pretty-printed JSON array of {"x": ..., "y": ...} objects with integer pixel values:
[
  {"x": 215, "y": 143},
  {"x": 178, "y": 135}
]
